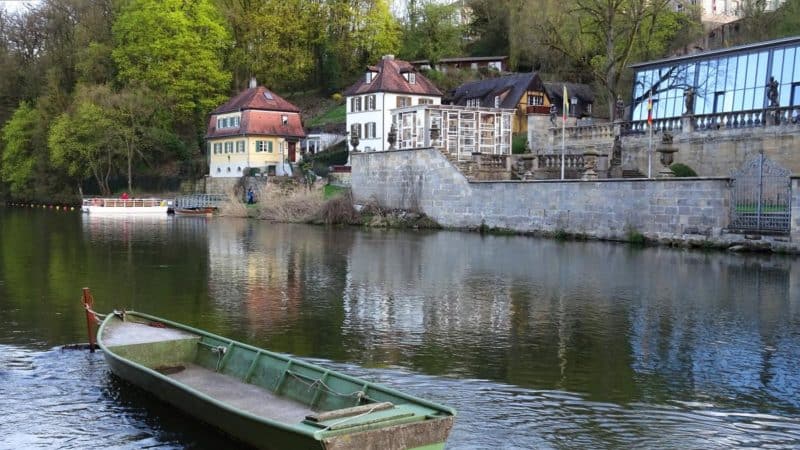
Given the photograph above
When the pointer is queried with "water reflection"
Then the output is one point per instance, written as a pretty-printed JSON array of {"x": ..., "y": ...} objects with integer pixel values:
[{"x": 538, "y": 344}]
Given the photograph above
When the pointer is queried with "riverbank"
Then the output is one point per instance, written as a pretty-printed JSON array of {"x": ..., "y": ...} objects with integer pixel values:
[{"x": 323, "y": 205}]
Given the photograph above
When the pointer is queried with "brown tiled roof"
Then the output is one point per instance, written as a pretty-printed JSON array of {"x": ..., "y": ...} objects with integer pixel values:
[
  {"x": 389, "y": 79},
  {"x": 256, "y": 98},
  {"x": 256, "y": 122}
]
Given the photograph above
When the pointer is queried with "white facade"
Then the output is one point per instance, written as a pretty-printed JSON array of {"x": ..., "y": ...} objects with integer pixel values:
[
  {"x": 370, "y": 114},
  {"x": 463, "y": 130}
]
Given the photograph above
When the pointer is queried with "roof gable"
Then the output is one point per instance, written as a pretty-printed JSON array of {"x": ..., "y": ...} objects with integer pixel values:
[
  {"x": 389, "y": 78},
  {"x": 514, "y": 86}
]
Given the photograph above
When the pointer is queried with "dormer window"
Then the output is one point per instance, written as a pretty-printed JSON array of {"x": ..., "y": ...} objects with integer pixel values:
[
  {"x": 473, "y": 102},
  {"x": 369, "y": 76},
  {"x": 411, "y": 77},
  {"x": 228, "y": 122},
  {"x": 284, "y": 119}
]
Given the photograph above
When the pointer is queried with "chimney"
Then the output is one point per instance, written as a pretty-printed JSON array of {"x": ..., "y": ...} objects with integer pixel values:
[
  {"x": 253, "y": 82},
  {"x": 389, "y": 57}
]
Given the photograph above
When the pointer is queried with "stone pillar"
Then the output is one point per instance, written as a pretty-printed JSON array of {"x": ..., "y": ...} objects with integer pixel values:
[
  {"x": 687, "y": 123},
  {"x": 590, "y": 164},
  {"x": 795, "y": 217}
]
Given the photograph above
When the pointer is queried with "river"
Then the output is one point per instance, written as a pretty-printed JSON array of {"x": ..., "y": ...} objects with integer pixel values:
[{"x": 537, "y": 343}]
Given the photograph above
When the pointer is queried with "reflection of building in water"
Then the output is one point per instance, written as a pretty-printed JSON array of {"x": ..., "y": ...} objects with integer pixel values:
[
  {"x": 254, "y": 272},
  {"x": 725, "y": 338}
]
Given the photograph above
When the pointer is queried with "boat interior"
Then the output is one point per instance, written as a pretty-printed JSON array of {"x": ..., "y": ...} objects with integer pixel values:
[{"x": 262, "y": 383}]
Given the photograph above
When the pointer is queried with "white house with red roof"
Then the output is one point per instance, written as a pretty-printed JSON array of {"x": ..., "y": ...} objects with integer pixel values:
[
  {"x": 255, "y": 129},
  {"x": 390, "y": 84}
]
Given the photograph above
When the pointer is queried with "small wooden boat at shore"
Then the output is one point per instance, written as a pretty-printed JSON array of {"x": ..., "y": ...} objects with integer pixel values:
[
  {"x": 120, "y": 206},
  {"x": 206, "y": 211},
  {"x": 265, "y": 399}
]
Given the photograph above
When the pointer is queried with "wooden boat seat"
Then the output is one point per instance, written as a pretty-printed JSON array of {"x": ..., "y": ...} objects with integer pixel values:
[{"x": 129, "y": 332}]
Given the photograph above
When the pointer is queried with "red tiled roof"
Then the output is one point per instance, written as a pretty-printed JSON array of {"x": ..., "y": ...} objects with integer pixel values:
[
  {"x": 255, "y": 122},
  {"x": 256, "y": 98},
  {"x": 389, "y": 79}
]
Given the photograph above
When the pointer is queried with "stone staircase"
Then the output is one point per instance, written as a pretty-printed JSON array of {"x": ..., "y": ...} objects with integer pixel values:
[{"x": 632, "y": 173}]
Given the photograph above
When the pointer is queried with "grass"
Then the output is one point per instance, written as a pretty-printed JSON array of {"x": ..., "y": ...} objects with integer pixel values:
[
  {"x": 337, "y": 114},
  {"x": 330, "y": 191}
]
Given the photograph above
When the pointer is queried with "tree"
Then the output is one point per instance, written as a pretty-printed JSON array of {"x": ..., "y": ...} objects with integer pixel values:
[
  {"x": 81, "y": 142},
  {"x": 489, "y": 28},
  {"x": 604, "y": 36},
  {"x": 19, "y": 158},
  {"x": 431, "y": 32},
  {"x": 176, "y": 48}
]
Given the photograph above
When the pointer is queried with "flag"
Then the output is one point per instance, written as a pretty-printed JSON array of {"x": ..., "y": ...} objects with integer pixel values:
[
  {"x": 650, "y": 109},
  {"x": 565, "y": 108}
]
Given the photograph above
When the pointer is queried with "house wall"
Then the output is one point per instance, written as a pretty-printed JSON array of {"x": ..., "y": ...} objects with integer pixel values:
[
  {"x": 222, "y": 165},
  {"x": 384, "y": 103}
]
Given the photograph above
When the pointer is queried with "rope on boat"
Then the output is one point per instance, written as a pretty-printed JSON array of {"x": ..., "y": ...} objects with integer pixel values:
[
  {"x": 349, "y": 418},
  {"x": 96, "y": 315},
  {"x": 318, "y": 382}
]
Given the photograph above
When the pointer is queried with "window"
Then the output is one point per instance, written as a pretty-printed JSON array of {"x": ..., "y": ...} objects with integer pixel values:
[
  {"x": 284, "y": 119},
  {"x": 239, "y": 169},
  {"x": 355, "y": 129},
  {"x": 369, "y": 103},
  {"x": 228, "y": 122},
  {"x": 473, "y": 102},
  {"x": 355, "y": 104},
  {"x": 217, "y": 148},
  {"x": 411, "y": 77},
  {"x": 425, "y": 101},
  {"x": 369, "y": 77},
  {"x": 535, "y": 99},
  {"x": 370, "y": 130},
  {"x": 229, "y": 147},
  {"x": 403, "y": 102},
  {"x": 240, "y": 147},
  {"x": 496, "y": 101},
  {"x": 264, "y": 146}
]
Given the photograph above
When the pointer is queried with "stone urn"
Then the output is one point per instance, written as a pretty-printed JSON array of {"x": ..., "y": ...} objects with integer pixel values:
[
  {"x": 666, "y": 152},
  {"x": 354, "y": 141},
  {"x": 392, "y": 136},
  {"x": 590, "y": 164}
]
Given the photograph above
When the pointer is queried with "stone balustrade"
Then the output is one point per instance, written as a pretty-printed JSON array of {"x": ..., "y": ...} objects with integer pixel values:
[
  {"x": 585, "y": 132},
  {"x": 786, "y": 115},
  {"x": 574, "y": 162}
]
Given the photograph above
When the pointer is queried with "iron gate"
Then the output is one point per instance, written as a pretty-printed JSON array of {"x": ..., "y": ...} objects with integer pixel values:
[{"x": 761, "y": 197}]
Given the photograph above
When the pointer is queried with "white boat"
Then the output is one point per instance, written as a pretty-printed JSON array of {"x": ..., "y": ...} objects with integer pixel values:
[{"x": 130, "y": 206}]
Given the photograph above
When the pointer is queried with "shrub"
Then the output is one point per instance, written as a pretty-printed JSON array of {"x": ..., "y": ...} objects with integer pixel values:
[
  {"x": 337, "y": 97},
  {"x": 338, "y": 210},
  {"x": 519, "y": 143},
  {"x": 682, "y": 170}
]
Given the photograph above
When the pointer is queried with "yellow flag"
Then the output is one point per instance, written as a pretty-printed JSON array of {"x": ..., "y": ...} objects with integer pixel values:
[{"x": 566, "y": 103}]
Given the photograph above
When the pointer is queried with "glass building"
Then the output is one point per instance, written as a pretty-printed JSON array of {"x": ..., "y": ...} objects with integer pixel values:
[{"x": 728, "y": 80}]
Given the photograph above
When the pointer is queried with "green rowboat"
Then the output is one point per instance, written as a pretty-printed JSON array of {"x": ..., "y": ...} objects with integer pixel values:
[{"x": 262, "y": 398}]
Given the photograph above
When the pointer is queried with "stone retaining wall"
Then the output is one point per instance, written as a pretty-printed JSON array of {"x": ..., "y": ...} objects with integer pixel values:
[{"x": 424, "y": 180}]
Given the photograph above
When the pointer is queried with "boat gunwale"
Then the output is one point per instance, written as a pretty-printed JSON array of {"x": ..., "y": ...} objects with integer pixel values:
[{"x": 317, "y": 434}]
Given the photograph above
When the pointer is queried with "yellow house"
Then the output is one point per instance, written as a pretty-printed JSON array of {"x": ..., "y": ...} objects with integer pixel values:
[{"x": 256, "y": 129}]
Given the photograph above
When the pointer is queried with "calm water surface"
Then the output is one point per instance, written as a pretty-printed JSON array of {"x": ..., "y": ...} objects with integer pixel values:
[{"x": 536, "y": 343}]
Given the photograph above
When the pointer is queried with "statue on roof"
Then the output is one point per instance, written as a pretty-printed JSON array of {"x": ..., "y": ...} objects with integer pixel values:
[{"x": 772, "y": 92}]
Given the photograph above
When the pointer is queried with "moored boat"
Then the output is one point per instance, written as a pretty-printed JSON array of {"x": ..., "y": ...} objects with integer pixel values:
[
  {"x": 120, "y": 206},
  {"x": 195, "y": 211},
  {"x": 262, "y": 398}
]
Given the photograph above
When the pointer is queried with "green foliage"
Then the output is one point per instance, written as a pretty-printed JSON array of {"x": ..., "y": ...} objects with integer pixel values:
[
  {"x": 431, "y": 32},
  {"x": 682, "y": 170},
  {"x": 81, "y": 142},
  {"x": 635, "y": 237},
  {"x": 19, "y": 153},
  {"x": 519, "y": 143},
  {"x": 174, "y": 47},
  {"x": 335, "y": 115},
  {"x": 329, "y": 191}
]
